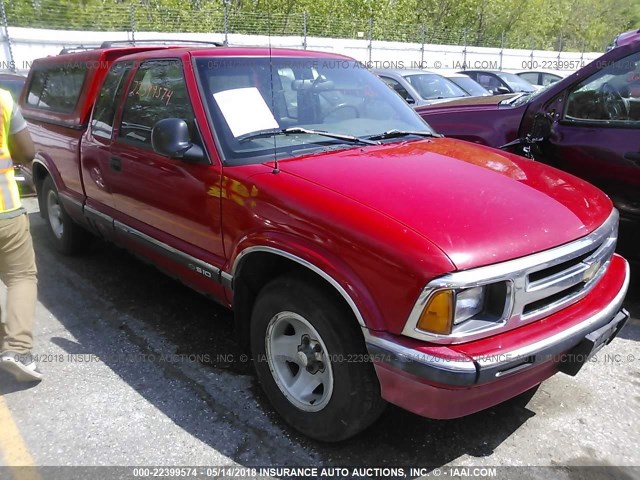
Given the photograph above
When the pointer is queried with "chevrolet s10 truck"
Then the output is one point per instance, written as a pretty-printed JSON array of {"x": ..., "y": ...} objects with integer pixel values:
[{"x": 366, "y": 258}]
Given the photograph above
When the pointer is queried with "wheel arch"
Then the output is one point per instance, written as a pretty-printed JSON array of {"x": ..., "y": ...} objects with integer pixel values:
[
  {"x": 42, "y": 168},
  {"x": 255, "y": 266}
]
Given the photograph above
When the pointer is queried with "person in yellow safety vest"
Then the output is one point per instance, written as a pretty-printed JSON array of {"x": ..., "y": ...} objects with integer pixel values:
[{"x": 17, "y": 259}]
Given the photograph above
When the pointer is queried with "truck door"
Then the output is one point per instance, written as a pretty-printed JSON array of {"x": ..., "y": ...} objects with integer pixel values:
[
  {"x": 169, "y": 203},
  {"x": 95, "y": 150}
]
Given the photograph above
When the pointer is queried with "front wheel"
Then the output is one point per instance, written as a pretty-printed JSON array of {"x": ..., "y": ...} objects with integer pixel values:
[
  {"x": 68, "y": 237},
  {"x": 311, "y": 360}
]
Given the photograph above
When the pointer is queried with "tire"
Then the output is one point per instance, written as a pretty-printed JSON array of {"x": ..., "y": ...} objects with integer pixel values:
[
  {"x": 68, "y": 237},
  {"x": 300, "y": 331}
]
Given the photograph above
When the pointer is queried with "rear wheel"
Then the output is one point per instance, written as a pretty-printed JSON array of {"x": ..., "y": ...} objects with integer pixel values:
[
  {"x": 68, "y": 237},
  {"x": 311, "y": 360}
]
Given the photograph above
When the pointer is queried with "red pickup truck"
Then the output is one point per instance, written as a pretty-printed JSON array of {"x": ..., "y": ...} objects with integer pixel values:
[{"x": 366, "y": 259}]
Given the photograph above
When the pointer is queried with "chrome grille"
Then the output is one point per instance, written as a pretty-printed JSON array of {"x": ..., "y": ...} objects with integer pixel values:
[{"x": 565, "y": 280}]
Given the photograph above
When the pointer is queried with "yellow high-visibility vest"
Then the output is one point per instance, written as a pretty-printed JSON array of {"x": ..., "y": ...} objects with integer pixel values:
[{"x": 9, "y": 194}]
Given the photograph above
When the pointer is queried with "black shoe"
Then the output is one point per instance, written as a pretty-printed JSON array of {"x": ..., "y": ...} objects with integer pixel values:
[{"x": 20, "y": 365}]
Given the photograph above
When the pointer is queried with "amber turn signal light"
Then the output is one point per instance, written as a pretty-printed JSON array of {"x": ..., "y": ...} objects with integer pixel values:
[{"x": 437, "y": 315}]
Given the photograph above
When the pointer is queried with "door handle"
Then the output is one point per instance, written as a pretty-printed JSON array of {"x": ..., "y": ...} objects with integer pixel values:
[{"x": 115, "y": 163}]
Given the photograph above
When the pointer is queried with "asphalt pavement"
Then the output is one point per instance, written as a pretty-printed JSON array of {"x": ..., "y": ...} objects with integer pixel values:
[{"x": 140, "y": 370}]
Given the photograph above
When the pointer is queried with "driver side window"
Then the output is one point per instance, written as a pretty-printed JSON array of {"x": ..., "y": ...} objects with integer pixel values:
[
  {"x": 489, "y": 82},
  {"x": 610, "y": 97},
  {"x": 400, "y": 90},
  {"x": 158, "y": 91}
]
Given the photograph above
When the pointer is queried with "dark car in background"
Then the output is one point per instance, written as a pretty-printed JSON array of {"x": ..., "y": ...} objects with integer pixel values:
[
  {"x": 587, "y": 124},
  {"x": 473, "y": 88},
  {"x": 420, "y": 87},
  {"x": 498, "y": 82},
  {"x": 12, "y": 82}
]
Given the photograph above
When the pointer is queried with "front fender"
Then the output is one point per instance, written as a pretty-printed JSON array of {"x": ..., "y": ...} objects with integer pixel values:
[{"x": 318, "y": 260}]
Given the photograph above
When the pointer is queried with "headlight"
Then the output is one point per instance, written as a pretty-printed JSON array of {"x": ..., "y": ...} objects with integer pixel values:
[
  {"x": 450, "y": 307},
  {"x": 469, "y": 302}
]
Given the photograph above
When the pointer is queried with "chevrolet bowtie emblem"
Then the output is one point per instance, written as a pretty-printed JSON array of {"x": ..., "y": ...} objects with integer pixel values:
[{"x": 591, "y": 271}]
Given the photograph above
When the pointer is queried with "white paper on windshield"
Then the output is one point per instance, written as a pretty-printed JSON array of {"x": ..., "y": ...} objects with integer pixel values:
[{"x": 245, "y": 110}]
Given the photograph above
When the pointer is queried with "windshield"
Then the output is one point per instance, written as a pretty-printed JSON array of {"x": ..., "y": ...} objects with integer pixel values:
[
  {"x": 472, "y": 87},
  {"x": 516, "y": 83},
  {"x": 431, "y": 86},
  {"x": 266, "y": 107}
]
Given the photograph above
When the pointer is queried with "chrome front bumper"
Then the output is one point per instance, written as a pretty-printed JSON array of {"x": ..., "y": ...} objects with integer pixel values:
[{"x": 462, "y": 370}]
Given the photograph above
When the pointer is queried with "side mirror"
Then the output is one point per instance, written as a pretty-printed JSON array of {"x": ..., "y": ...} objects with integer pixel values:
[
  {"x": 541, "y": 128},
  {"x": 540, "y": 131},
  {"x": 170, "y": 137},
  {"x": 409, "y": 100},
  {"x": 501, "y": 90}
]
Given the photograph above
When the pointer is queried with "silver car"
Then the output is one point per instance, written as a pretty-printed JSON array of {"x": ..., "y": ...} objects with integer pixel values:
[{"x": 420, "y": 87}]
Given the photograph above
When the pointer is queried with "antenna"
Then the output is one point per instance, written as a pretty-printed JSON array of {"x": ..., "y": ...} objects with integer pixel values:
[{"x": 275, "y": 170}]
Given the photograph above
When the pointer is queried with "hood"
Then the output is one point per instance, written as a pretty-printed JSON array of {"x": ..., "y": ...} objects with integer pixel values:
[
  {"x": 436, "y": 101},
  {"x": 479, "y": 205},
  {"x": 489, "y": 102},
  {"x": 479, "y": 120}
]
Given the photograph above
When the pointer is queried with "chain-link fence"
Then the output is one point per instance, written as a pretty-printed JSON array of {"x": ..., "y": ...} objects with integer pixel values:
[
  {"x": 224, "y": 17},
  {"x": 36, "y": 28}
]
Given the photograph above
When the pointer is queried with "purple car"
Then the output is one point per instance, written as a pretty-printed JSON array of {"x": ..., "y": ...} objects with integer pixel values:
[
  {"x": 587, "y": 124},
  {"x": 625, "y": 38}
]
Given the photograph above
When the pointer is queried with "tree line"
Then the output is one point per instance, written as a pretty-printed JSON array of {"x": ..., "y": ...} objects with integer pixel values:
[{"x": 541, "y": 24}]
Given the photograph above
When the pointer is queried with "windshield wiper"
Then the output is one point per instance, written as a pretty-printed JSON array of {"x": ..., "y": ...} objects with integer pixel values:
[
  {"x": 402, "y": 133},
  {"x": 306, "y": 131}
]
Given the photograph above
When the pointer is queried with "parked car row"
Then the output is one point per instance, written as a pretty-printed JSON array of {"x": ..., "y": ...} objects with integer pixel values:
[
  {"x": 422, "y": 87},
  {"x": 498, "y": 82},
  {"x": 367, "y": 259}
]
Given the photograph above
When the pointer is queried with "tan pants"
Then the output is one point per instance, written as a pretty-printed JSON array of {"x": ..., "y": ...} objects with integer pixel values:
[{"x": 18, "y": 272}]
